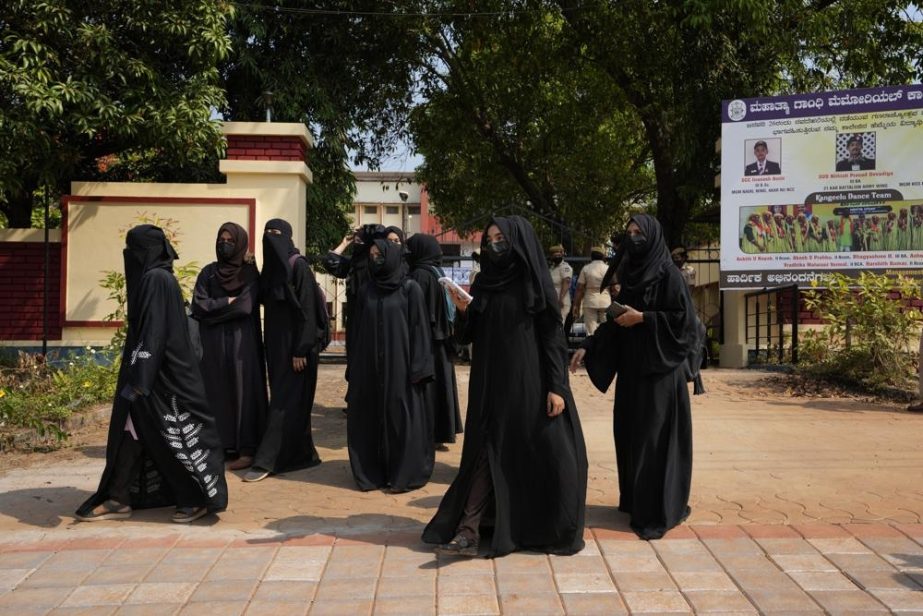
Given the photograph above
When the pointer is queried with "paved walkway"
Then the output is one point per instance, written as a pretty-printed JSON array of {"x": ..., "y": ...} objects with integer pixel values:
[{"x": 799, "y": 505}]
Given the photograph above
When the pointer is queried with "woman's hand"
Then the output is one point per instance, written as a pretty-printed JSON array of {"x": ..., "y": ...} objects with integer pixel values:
[
  {"x": 555, "y": 404},
  {"x": 577, "y": 360},
  {"x": 630, "y": 318},
  {"x": 299, "y": 363},
  {"x": 460, "y": 302}
]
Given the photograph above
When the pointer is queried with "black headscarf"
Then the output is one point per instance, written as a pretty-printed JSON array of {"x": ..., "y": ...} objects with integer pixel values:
[
  {"x": 277, "y": 271},
  {"x": 615, "y": 263},
  {"x": 639, "y": 271},
  {"x": 146, "y": 248},
  {"x": 233, "y": 272},
  {"x": 528, "y": 262},
  {"x": 424, "y": 249},
  {"x": 388, "y": 275}
]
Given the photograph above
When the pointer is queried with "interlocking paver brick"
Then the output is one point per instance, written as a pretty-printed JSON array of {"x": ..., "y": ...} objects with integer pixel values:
[
  {"x": 596, "y": 604},
  {"x": 664, "y": 602},
  {"x": 135, "y": 556},
  {"x": 877, "y": 579},
  {"x": 510, "y": 583},
  {"x": 865, "y": 560},
  {"x": 224, "y": 608},
  {"x": 95, "y": 610},
  {"x": 468, "y": 605},
  {"x": 643, "y": 581},
  {"x": 782, "y": 600},
  {"x": 161, "y": 592},
  {"x": 270, "y": 608},
  {"x": 45, "y": 577},
  {"x": 224, "y": 590},
  {"x": 100, "y": 594},
  {"x": 151, "y": 609},
  {"x": 822, "y": 580},
  {"x": 900, "y": 600},
  {"x": 342, "y": 589},
  {"x": 285, "y": 591},
  {"x": 421, "y": 584},
  {"x": 584, "y": 582},
  {"x": 528, "y": 604},
  {"x": 468, "y": 584},
  {"x": 23, "y": 560},
  {"x": 118, "y": 574},
  {"x": 848, "y": 601},
  {"x": 405, "y": 606},
  {"x": 705, "y": 580},
  {"x": 707, "y": 601},
  {"x": 23, "y": 598},
  {"x": 9, "y": 578},
  {"x": 803, "y": 562}
]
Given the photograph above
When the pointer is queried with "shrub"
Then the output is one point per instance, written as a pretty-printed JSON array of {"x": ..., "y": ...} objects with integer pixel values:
[
  {"x": 40, "y": 396},
  {"x": 869, "y": 330}
]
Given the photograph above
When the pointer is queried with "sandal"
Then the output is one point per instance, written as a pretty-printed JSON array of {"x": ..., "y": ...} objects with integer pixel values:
[
  {"x": 460, "y": 545},
  {"x": 108, "y": 510},
  {"x": 184, "y": 515}
]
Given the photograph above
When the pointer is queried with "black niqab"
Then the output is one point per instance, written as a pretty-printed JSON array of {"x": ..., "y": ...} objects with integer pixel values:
[
  {"x": 146, "y": 248},
  {"x": 529, "y": 261},
  {"x": 277, "y": 249},
  {"x": 639, "y": 271},
  {"x": 232, "y": 272},
  {"x": 388, "y": 275},
  {"x": 424, "y": 250}
]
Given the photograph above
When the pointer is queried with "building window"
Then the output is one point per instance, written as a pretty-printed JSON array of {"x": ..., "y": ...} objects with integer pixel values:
[
  {"x": 451, "y": 250},
  {"x": 413, "y": 210},
  {"x": 370, "y": 209},
  {"x": 392, "y": 210}
]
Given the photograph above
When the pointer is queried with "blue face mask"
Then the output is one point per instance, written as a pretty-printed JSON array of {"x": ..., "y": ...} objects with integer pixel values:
[{"x": 499, "y": 251}]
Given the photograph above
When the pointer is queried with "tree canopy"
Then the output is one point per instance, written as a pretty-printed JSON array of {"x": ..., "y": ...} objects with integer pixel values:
[{"x": 83, "y": 79}]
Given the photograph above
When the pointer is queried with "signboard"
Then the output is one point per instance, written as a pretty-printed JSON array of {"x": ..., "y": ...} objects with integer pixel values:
[{"x": 819, "y": 183}]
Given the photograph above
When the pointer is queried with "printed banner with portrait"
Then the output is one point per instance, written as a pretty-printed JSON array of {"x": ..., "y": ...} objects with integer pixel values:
[{"x": 819, "y": 183}]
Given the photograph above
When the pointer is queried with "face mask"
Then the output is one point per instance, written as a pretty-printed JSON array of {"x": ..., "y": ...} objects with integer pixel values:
[
  {"x": 637, "y": 244},
  {"x": 378, "y": 261},
  {"x": 557, "y": 260},
  {"x": 225, "y": 250},
  {"x": 499, "y": 248}
]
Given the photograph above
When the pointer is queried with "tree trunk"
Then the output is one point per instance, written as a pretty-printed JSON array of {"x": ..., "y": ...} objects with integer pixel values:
[
  {"x": 672, "y": 208},
  {"x": 18, "y": 209}
]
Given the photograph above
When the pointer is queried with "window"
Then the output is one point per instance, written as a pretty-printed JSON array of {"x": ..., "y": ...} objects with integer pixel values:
[
  {"x": 370, "y": 209},
  {"x": 392, "y": 210},
  {"x": 413, "y": 210},
  {"x": 451, "y": 250}
]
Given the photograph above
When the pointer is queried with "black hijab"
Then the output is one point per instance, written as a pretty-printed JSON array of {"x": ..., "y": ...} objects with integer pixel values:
[
  {"x": 387, "y": 276},
  {"x": 233, "y": 272},
  {"x": 277, "y": 249},
  {"x": 637, "y": 272},
  {"x": 528, "y": 262},
  {"x": 423, "y": 249},
  {"x": 146, "y": 249}
]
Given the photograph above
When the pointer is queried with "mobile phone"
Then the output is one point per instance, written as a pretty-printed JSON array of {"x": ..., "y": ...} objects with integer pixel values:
[
  {"x": 450, "y": 284},
  {"x": 615, "y": 310}
]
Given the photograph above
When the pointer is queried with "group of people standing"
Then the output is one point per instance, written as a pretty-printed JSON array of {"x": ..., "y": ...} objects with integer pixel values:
[
  {"x": 780, "y": 233},
  {"x": 523, "y": 473}
]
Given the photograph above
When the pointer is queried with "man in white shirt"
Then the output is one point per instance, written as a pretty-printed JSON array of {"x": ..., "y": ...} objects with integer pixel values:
[
  {"x": 561, "y": 275},
  {"x": 589, "y": 297}
]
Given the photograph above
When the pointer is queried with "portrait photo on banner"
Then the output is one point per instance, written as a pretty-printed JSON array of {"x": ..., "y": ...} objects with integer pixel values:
[
  {"x": 763, "y": 156},
  {"x": 855, "y": 151}
]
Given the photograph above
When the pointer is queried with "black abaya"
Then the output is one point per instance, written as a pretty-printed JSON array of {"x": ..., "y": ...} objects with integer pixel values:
[
  {"x": 291, "y": 330},
  {"x": 537, "y": 464},
  {"x": 388, "y": 427},
  {"x": 442, "y": 391},
  {"x": 652, "y": 422},
  {"x": 160, "y": 389},
  {"x": 232, "y": 361}
]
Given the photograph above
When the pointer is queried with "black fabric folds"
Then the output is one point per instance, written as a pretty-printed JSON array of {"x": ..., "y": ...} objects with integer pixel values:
[
  {"x": 388, "y": 275},
  {"x": 538, "y": 464},
  {"x": 652, "y": 423},
  {"x": 277, "y": 272}
]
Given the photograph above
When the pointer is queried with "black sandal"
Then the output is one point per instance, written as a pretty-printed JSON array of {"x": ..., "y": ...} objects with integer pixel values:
[
  {"x": 108, "y": 510},
  {"x": 460, "y": 545}
]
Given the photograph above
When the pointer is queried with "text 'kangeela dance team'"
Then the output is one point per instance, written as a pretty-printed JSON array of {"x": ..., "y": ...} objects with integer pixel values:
[{"x": 208, "y": 389}]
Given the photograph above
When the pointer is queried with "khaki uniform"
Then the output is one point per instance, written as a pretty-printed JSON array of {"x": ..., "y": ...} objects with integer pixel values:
[
  {"x": 560, "y": 273},
  {"x": 594, "y": 303}
]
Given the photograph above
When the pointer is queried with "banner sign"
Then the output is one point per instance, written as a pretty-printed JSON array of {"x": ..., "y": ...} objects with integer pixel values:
[{"x": 819, "y": 183}]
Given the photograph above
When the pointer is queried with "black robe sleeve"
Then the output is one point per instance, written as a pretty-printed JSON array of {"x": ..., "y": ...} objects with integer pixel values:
[
  {"x": 553, "y": 352},
  {"x": 210, "y": 308},
  {"x": 153, "y": 327},
  {"x": 336, "y": 265},
  {"x": 602, "y": 359},
  {"x": 421, "y": 349},
  {"x": 305, "y": 335},
  {"x": 465, "y": 325},
  {"x": 670, "y": 327}
]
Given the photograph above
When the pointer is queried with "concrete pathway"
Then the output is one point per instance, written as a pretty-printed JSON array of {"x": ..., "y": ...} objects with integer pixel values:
[{"x": 799, "y": 505}]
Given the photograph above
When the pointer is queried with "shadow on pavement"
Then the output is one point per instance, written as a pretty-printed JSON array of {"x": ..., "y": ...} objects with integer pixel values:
[
  {"x": 607, "y": 517},
  {"x": 361, "y": 528},
  {"x": 93, "y": 451},
  {"x": 43, "y": 507}
]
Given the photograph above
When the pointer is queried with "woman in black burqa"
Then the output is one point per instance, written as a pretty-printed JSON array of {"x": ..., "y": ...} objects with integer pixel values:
[
  {"x": 226, "y": 304},
  {"x": 163, "y": 446},
  {"x": 524, "y": 468},
  {"x": 389, "y": 430},
  {"x": 293, "y": 338},
  {"x": 425, "y": 257},
  {"x": 648, "y": 347}
]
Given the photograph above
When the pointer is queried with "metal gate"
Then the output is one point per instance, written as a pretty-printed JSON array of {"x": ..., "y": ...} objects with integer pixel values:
[{"x": 771, "y": 324}]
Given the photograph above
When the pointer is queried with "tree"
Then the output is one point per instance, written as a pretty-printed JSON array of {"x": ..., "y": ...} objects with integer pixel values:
[
  {"x": 348, "y": 75},
  {"x": 85, "y": 79},
  {"x": 508, "y": 120},
  {"x": 674, "y": 62}
]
